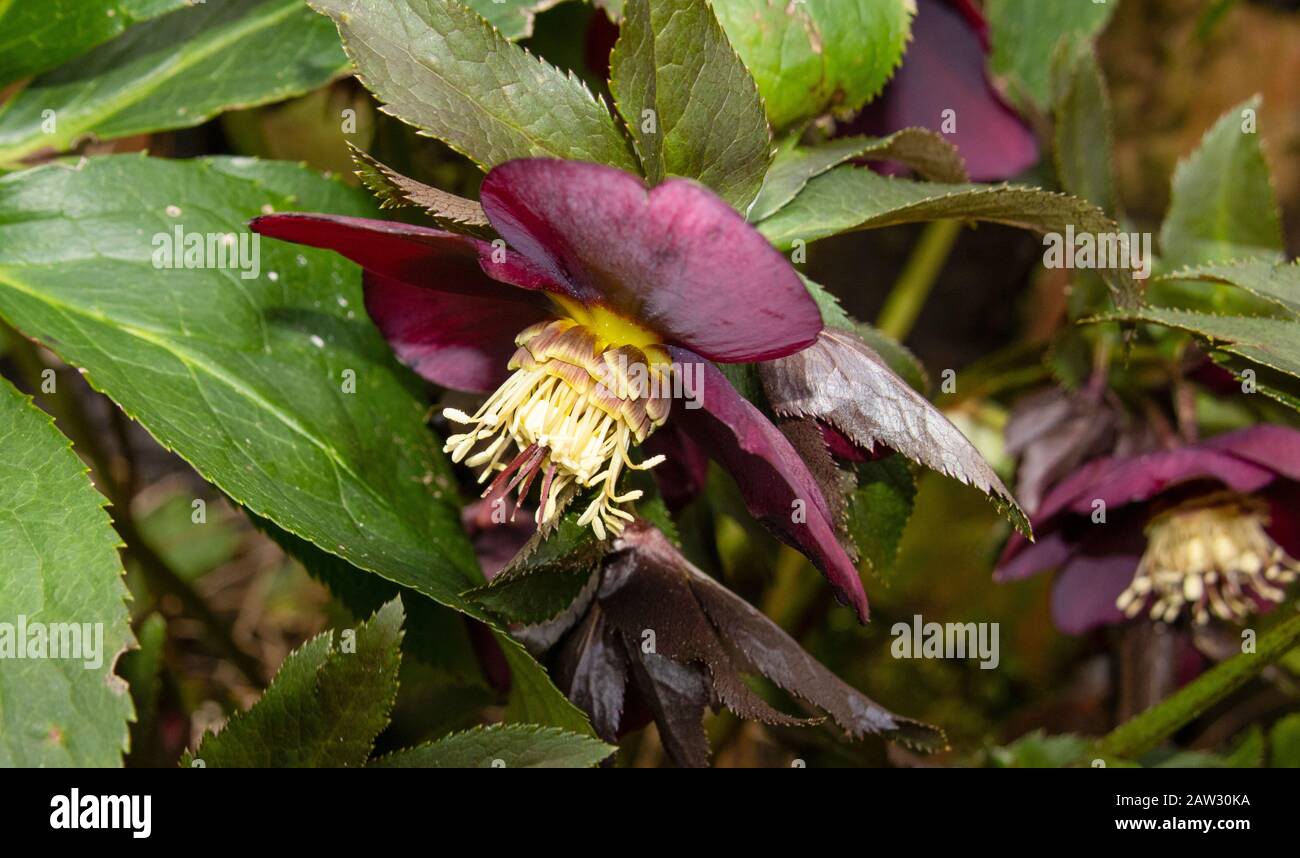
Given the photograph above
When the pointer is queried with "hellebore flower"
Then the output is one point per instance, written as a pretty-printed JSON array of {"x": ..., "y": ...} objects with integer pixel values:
[
  {"x": 944, "y": 69},
  {"x": 603, "y": 301},
  {"x": 1207, "y": 529}
]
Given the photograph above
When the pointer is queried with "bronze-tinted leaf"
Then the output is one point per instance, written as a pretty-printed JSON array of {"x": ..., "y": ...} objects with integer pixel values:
[
  {"x": 397, "y": 191},
  {"x": 592, "y": 670},
  {"x": 841, "y": 381}
]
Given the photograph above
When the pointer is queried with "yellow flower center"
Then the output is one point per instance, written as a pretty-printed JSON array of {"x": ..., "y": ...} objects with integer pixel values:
[
  {"x": 1209, "y": 555},
  {"x": 583, "y": 391}
]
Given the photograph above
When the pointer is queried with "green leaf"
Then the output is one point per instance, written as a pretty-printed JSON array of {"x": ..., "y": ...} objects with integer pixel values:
[
  {"x": 794, "y": 166},
  {"x": 1276, "y": 282},
  {"x": 175, "y": 71},
  {"x": 39, "y": 36},
  {"x": 879, "y": 509},
  {"x": 851, "y": 198},
  {"x": 1084, "y": 139},
  {"x": 1149, "y": 729},
  {"x": 1025, "y": 35},
  {"x": 1284, "y": 743},
  {"x": 60, "y": 567},
  {"x": 142, "y": 669},
  {"x": 517, "y": 746},
  {"x": 1273, "y": 343},
  {"x": 691, "y": 106},
  {"x": 438, "y": 66},
  {"x": 244, "y": 377},
  {"x": 1223, "y": 206},
  {"x": 546, "y": 576},
  {"x": 817, "y": 55},
  {"x": 325, "y": 706},
  {"x": 1037, "y": 750},
  {"x": 513, "y": 18}
]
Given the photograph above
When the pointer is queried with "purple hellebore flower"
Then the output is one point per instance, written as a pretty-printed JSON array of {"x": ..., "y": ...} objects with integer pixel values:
[
  {"x": 603, "y": 299},
  {"x": 1210, "y": 528},
  {"x": 944, "y": 69}
]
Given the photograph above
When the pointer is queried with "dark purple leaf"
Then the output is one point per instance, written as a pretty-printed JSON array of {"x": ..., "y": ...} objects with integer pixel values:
[{"x": 841, "y": 381}]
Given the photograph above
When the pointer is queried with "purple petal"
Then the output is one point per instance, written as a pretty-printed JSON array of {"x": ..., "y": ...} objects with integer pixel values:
[
  {"x": 1143, "y": 477},
  {"x": 459, "y": 341},
  {"x": 1084, "y": 595},
  {"x": 1023, "y": 558},
  {"x": 944, "y": 69},
  {"x": 769, "y": 473},
  {"x": 1274, "y": 447},
  {"x": 685, "y": 469},
  {"x": 676, "y": 259},
  {"x": 420, "y": 256}
]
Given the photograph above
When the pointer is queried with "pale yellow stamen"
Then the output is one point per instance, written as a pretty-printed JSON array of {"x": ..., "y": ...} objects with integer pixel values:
[
  {"x": 571, "y": 414},
  {"x": 1209, "y": 556}
]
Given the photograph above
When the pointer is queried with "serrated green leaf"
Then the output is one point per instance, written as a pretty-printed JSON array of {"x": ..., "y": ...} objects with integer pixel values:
[
  {"x": 39, "y": 36},
  {"x": 440, "y": 67},
  {"x": 1277, "y": 282},
  {"x": 1152, "y": 727},
  {"x": 851, "y": 198},
  {"x": 325, "y": 706},
  {"x": 175, "y": 71},
  {"x": 794, "y": 166},
  {"x": 1274, "y": 343},
  {"x": 516, "y": 746},
  {"x": 1025, "y": 35},
  {"x": 1084, "y": 140},
  {"x": 689, "y": 103},
  {"x": 60, "y": 567},
  {"x": 817, "y": 55},
  {"x": 1223, "y": 206}
]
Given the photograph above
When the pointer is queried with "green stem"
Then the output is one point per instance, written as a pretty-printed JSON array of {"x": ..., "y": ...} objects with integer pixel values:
[
  {"x": 922, "y": 270},
  {"x": 1146, "y": 731}
]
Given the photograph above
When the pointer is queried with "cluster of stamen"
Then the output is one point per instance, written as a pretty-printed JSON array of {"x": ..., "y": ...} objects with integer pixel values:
[
  {"x": 1210, "y": 555},
  {"x": 571, "y": 410}
]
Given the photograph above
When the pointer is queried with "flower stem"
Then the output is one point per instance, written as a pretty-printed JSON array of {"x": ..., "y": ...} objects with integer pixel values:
[{"x": 919, "y": 275}]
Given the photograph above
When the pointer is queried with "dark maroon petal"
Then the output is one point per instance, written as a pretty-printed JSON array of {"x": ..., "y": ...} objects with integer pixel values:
[
  {"x": 1143, "y": 477},
  {"x": 1023, "y": 558},
  {"x": 769, "y": 473},
  {"x": 685, "y": 468},
  {"x": 942, "y": 70},
  {"x": 1084, "y": 595},
  {"x": 453, "y": 339},
  {"x": 1274, "y": 447},
  {"x": 417, "y": 255},
  {"x": 676, "y": 259}
]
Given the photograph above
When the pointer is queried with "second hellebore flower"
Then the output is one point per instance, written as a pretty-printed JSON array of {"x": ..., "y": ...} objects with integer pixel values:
[
  {"x": 1207, "y": 529},
  {"x": 600, "y": 301}
]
